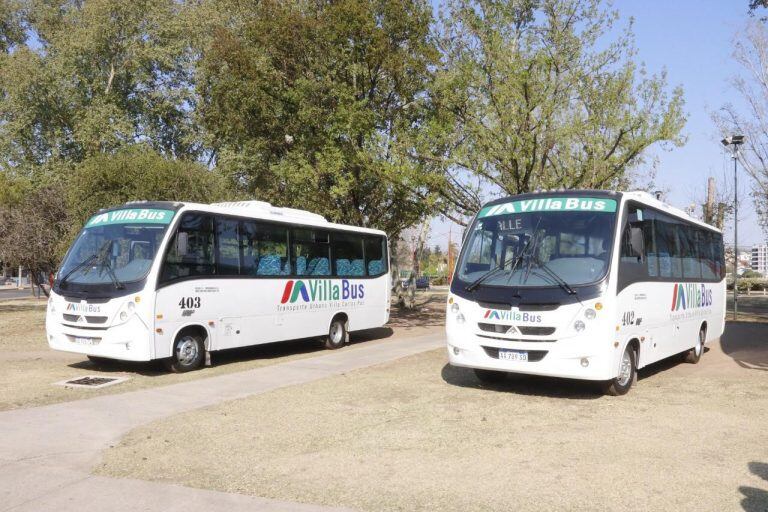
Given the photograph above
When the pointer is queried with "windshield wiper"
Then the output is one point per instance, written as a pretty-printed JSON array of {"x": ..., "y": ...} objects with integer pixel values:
[
  {"x": 558, "y": 279},
  {"x": 516, "y": 261},
  {"x": 87, "y": 261},
  {"x": 104, "y": 263}
]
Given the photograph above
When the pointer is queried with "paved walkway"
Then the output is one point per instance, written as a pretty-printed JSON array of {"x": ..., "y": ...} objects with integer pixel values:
[{"x": 47, "y": 453}]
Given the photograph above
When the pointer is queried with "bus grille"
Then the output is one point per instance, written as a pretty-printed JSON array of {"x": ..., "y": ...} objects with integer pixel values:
[
  {"x": 534, "y": 356},
  {"x": 98, "y": 320},
  {"x": 508, "y": 329}
]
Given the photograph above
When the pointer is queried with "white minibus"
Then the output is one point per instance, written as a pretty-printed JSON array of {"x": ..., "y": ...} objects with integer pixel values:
[
  {"x": 173, "y": 281},
  {"x": 584, "y": 285}
]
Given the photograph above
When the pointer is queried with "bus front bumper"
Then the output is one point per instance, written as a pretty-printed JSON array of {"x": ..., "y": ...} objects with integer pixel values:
[
  {"x": 129, "y": 341},
  {"x": 578, "y": 357}
]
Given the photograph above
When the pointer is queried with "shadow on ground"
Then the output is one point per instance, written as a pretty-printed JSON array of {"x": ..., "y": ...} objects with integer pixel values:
[
  {"x": 747, "y": 344},
  {"x": 532, "y": 385},
  {"x": 755, "y": 500},
  {"x": 237, "y": 355}
]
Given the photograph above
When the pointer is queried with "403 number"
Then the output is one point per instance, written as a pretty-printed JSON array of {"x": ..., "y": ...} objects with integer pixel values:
[{"x": 189, "y": 302}]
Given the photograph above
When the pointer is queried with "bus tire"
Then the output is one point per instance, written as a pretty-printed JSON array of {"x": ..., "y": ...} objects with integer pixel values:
[
  {"x": 621, "y": 384},
  {"x": 337, "y": 333},
  {"x": 490, "y": 376},
  {"x": 693, "y": 356},
  {"x": 188, "y": 353}
]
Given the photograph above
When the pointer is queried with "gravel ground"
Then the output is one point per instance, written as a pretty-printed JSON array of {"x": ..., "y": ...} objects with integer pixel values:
[
  {"x": 419, "y": 435},
  {"x": 28, "y": 368}
]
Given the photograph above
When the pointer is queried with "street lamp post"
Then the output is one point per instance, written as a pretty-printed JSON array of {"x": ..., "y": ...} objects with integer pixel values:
[{"x": 735, "y": 141}]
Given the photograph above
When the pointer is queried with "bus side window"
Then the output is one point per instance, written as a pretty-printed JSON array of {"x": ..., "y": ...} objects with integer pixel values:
[
  {"x": 227, "y": 247},
  {"x": 310, "y": 252},
  {"x": 375, "y": 255},
  {"x": 632, "y": 255},
  {"x": 193, "y": 257},
  {"x": 348, "y": 255}
]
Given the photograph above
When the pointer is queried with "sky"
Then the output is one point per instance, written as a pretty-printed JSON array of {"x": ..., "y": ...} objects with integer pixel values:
[{"x": 693, "y": 41}]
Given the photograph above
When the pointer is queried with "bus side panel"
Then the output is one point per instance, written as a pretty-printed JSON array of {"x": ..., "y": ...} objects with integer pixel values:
[{"x": 666, "y": 316}]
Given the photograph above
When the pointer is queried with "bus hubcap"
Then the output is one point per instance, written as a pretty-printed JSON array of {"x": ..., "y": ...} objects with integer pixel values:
[
  {"x": 186, "y": 352},
  {"x": 625, "y": 370},
  {"x": 336, "y": 332}
]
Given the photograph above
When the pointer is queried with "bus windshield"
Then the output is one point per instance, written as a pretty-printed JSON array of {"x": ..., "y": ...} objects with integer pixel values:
[
  {"x": 540, "y": 242},
  {"x": 116, "y": 247}
]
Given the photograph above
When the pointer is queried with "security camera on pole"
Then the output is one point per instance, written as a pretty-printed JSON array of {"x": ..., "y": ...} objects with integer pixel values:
[{"x": 735, "y": 141}]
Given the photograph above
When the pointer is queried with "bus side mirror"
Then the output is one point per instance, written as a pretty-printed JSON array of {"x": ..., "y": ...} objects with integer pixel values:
[{"x": 637, "y": 242}]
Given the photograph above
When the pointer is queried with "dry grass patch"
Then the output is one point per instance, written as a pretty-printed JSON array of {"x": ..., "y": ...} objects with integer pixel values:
[{"x": 418, "y": 435}]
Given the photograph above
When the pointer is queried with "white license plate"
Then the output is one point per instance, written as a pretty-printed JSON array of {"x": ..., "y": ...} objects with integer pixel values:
[
  {"x": 85, "y": 341},
  {"x": 512, "y": 355}
]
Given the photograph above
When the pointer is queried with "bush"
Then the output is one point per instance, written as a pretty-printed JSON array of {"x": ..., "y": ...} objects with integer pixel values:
[{"x": 139, "y": 173}]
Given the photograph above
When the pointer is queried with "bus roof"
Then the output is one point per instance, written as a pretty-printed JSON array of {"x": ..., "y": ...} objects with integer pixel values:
[
  {"x": 636, "y": 195},
  {"x": 254, "y": 210}
]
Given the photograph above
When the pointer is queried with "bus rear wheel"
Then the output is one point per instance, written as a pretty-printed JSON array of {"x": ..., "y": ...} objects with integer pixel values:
[
  {"x": 337, "y": 334},
  {"x": 188, "y": 354},
  {"x": 627, "y": 375},
  {"x": 693, "y": 356}
]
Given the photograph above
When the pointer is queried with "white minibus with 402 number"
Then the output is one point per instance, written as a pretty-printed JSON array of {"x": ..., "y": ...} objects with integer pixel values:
[{"x": 586, "y": 285}]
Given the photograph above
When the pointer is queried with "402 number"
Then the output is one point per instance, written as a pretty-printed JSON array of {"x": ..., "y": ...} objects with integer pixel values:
[
  {"x": 628, "y": 318},
  {"x": 189, "y": 302}
]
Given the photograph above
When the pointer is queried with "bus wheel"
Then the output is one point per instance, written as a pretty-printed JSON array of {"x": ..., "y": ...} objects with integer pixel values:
[
  {"x": 620, "y": 384},
  {"x": 490, "y": 376},
  {"x": 337, "y": 334},
  {"x": 693, "y": 356},
  {"x": 188, "y": 354}
]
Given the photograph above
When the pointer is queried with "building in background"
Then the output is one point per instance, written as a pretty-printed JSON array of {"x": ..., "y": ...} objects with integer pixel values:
[{"x": 759, "y": 261}]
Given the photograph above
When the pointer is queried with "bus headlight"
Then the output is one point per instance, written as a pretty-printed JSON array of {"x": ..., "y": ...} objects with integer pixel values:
[
  {"x": 454, "y": 308},
  {"x": 123, "y": 316},
  {"x": 131, "y": 307},
  {"x": 579, "y": 325},
  {"x": 460, "y": 319},
  {"x": 590, "y": 314}
]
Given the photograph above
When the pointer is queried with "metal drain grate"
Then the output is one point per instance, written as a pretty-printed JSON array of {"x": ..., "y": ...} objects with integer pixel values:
[{"x": 91, "y": 382}]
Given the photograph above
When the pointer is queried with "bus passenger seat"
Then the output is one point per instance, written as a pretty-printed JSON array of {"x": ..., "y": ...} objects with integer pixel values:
[
  {"x": 342, "y": 267},
  {"x": 375, "y": 267},
  {"x": 357, "y": 268},
  {"x": 301, "y": 265},
  {"x": 269, "y": 266},
  {"x": 319, "y": 267}
]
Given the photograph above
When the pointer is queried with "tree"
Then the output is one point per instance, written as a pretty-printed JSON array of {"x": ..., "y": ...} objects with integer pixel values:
[
  {"x": 751, "y": 53},
  {"x": 525, "y": 98},
  {"x": 34, "y": 232},
  {"x": 98, "y": 75},
  {"x": 307, "y": 103},
  {"x": 140, "y": 173}
]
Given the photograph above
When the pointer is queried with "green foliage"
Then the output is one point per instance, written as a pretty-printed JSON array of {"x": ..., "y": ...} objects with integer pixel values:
[
  {"x": 307, "y": 104},
  {"x": 526, "y": 98},
  {"x": 139, "y": 173},
  {"x": 102, "y": 74}
]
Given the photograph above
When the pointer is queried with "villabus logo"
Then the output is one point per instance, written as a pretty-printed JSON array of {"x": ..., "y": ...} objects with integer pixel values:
[
  {"x": 516, "y": 316},
  {"x": 690, "y": 295},
  {"x": 318, "y": 290}
]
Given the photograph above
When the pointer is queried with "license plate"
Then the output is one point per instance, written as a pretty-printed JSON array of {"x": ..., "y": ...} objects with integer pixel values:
[
  {"x": 512, "y": 355},
  {"x": 85, "y": 341}
]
